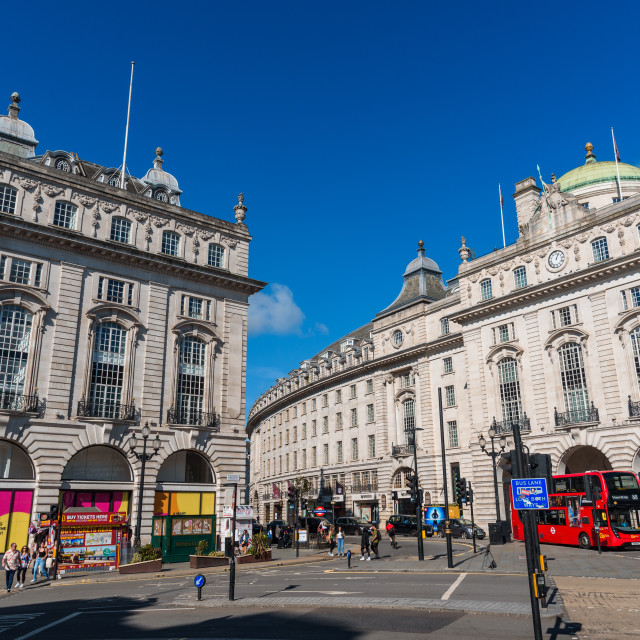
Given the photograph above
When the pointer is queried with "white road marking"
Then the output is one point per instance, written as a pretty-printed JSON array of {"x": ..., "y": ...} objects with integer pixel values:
[
  {"x": 329, "y": 593},
  {"x": 13, "y": 620},
  {"x": 453, "y": 587},
  {"x": 48, "y": 626}
]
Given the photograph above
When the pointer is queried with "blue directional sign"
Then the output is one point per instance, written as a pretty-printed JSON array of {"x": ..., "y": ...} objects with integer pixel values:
[
  {"x": 530, "y": 493},
  {"x": 199, "y": 581}
]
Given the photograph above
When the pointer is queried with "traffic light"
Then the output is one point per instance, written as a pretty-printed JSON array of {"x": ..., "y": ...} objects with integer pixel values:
[
  {"x": 597, "y": 489},
  {"x": 469, "y": 494},
  {"x": 461, "y": 491},
  {"x": 411, "y": 482},
  {"x": 292, "y": 493},
  {"x": 303, "y": 504},
  {"x": 53, "y": 512},
  {"x": 540, "y": 464}
]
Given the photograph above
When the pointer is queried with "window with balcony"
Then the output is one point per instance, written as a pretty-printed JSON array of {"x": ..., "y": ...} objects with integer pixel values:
[
  {"x": 15, "y": 339},
  {"x": 191, "y": 382},
  {"x": 510, "y": 398},
  {"x": 409, "y": 418},
  {"x": 600, "y": 249},
  {"x": 574, "y": 382},
  {"x": 486, "y": 290},
  {"x": 635, "y": 349}
]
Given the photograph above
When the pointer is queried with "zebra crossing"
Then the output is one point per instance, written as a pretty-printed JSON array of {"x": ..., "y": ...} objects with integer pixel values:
[{"x": 14, "y": 619}]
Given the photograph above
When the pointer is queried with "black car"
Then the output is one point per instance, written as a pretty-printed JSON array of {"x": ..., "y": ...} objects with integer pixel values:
[
  {"x": 352, "y": 526},
  {"x": 409, "y": 525},
  {"x": 256, "y": 527},
  {"x": 312, "y": 523},
  {"x": 461, "y": 528}
]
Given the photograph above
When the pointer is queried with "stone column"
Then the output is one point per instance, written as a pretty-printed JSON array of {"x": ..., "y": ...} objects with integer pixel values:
[{"x": 391, "y": 410}]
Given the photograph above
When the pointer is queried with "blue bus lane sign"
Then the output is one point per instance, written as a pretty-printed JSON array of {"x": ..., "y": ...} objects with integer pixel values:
[{"x": 530, "y": 493}]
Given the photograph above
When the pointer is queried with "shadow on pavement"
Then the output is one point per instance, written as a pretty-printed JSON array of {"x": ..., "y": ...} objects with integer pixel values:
[{"x": 563, "y": 629}]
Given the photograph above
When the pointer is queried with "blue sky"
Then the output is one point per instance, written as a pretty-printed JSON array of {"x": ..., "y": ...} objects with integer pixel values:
[{"x": 354, "y": 129}]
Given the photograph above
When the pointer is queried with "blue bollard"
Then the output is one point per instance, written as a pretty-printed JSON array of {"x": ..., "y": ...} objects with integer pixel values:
[{"x": 349, "y": 558}]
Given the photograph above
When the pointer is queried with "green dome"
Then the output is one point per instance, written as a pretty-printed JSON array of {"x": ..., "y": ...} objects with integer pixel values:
[{"x": 594, "y": 172}]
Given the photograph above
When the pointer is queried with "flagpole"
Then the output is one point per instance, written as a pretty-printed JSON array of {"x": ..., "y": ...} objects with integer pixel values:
[
  {"x": 504, "y": 242},
  {"x": 126, "y": 132},
  {"x": 616, "y": 154},
  {"x": 544, "y": 190}
]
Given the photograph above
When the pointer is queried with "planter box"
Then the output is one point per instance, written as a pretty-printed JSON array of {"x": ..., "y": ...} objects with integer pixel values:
[
  {"x": 150, "y": 566},
  {"x": 203, "y": 562},
  {"x": 248, "y": 559}
]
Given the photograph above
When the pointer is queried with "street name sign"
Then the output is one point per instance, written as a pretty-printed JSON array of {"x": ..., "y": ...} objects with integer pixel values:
[
  {"x": 530, "y": 493},
  {"x": 319, "y": 511},
  {"x": 233, "y": 477}
]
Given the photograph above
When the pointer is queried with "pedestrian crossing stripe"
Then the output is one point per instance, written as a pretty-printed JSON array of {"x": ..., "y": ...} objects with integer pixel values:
[{"x": 15, "y": 619}]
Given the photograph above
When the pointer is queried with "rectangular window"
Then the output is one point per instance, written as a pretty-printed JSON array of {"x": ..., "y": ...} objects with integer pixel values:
[
  {"x": 338, "y": 421},
  {"x": 354, "y": 417},
  {"x": 600, "y": 249},
  {"x": 314, "y": 430},
  {"x": 287, "y": 463},
  {"x": 280, "y": 462},
  {"x": 304, "y": 408},
  {"x": 280, "y": 438},
  {"x": 370, "y": 386},
  {"x": 195, "y": 308},
  {"x": 325, "y": 454},
  {"x": 448, "y": 365},
  {"x": 115, "y": 291},
  {"x": 3, "y": 266},
  {"x": 345, "y": 344},
  {"x": 355, "y": 482},
  {"x": 304, "y": 430},
  {"x": 564, "y": 316},
  {"x": 325, "y": 400},
  {"x": 406, "y": 380},
  {"x": 453, "y": 433},
  {"x": 286, "y": 436},
  {"x": 444, "y": 326},
  {"x": 64, "y": 215},
  {"x": 486, "y": 291},
  {"x": 370, "y": 413},
  {"x": 632, "y": 296},
  {"x": 338, "y": 396},
  {"x": 314, "y": 457},
  {"x": 325, "y": 424},
  {"x": 520, "y": 277},
  {"x": 295, "y": 460},
  {"x": 20, "y": 271},
  {"x": 304, "y": 458},
  {"x": 7, "y": 199},
  {"x": 295, "y": 412},
  {"x": 170, "y": 243},
  {"x": 352, "y": 391},
  {"x": 286, "y": 415},
  {"x": 503, "y": 333},
  {"x": 120, "y": 230},
  {"x": 354, "y": 448},
  {"x": 339, "y": 451},
  {"x": 313, "y": 405},
  {"x": 295, "y": 434},
  {"x": 372, "y": 446},
  {"x": 216, "y": 256},
  {"x": 450, "y": 396}
]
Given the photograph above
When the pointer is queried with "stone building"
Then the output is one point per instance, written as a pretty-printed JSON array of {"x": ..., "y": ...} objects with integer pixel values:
[
  {"x": 544, "y": 332},
  {"x": 119, "y": 308}
]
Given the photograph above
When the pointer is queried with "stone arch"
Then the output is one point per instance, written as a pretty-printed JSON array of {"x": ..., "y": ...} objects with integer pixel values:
[
  {"x": 398, "y": 477},
  {"x": 186, "y": 466},
  {"x": 583, "y": 458},
  {"x": 15, "y": 462},
  {"x": 98, "y": 463}
]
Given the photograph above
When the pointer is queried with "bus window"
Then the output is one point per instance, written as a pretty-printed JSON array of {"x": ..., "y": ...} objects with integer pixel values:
[
  {"x": 585, "y": 520},
  {"x": 555, "y": 517},
  {"x": 577, "y": 484},
  {"x": 621, "y": 482},
  {"x": 561, "y": 485}
]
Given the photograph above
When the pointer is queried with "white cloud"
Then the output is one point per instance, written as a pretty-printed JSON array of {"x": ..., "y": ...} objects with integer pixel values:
[
  {"x": 321, "y": 328},
  {"x": 274, "y": 311}
]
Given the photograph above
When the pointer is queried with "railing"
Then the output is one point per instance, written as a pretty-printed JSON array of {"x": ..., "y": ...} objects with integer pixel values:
[
  {"x": 634, "y": 408},
  {"x": 577, "y": 415},
  {"x": 193, "y": 418},
  {"x": 506, "y": 426},
  {"x": 401, "y": 449},
  {"x": 110, "y": 410},
  {"x": 12, "y": 401}
]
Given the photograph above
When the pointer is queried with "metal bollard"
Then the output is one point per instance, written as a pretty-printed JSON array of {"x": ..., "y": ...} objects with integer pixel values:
[{"x": 349, "y": 558}]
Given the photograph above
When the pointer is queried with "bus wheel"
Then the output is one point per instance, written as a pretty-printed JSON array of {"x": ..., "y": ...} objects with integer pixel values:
[{"x": 584, "y": 541}]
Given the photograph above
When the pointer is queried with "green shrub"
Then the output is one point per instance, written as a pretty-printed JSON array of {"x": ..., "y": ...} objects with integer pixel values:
[
  {"x": 145, "y": 553},
  {"x": 201, "y": 548},
  {"x": 216, "y": 554},
  {"x": 259, "y": 545}
]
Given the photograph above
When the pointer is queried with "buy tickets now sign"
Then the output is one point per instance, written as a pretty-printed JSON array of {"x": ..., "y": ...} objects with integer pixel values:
[{"x": 94, "y": 518}]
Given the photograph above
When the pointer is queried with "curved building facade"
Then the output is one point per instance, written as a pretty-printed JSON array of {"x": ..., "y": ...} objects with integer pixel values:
[{"x": 545, "y": 332}]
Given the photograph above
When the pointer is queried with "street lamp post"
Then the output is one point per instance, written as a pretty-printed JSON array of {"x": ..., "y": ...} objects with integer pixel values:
[
  {"x": 143, "y": 457},
  {"x": 494, "y": 455},
  {"x": 418, "y": 497}
]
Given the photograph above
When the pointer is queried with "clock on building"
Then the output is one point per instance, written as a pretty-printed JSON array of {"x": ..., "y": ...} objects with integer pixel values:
[{"x": 556, "y": 259}]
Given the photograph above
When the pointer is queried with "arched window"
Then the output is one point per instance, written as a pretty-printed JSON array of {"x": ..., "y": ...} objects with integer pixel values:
[
  {"x": 14, "y": 462},
  {"x": 120, "y": 230},
  {"x": 114, "y": 181},
  {"x": 15, "y": 339},
  {"x": 635, "y": 350},
  {"x": 509, "y": 390},
  {"x": 107, "y": 373},
  {"x": 574, "y": 382},
  {"x": 191, "y": 368},
  {"x": 161, "y": 196},
  {"x": 170, "y": 243},
  {"x": 399, "y": 478},
  {"x": 63, "y": 165},
  {"x": 98, "y": 463},
  {"x": 397, "y": 337},
  {"x": 186, "y": 466}
]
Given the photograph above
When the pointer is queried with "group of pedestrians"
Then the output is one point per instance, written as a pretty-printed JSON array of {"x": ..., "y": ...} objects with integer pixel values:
[
  {"x": 15, "y": 563},
  {"x": 336, "y": 538},
  {"x": 370, "y": 538}
]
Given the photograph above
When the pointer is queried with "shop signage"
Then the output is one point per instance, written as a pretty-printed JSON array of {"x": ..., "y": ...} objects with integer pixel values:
[
  {"x": 94, "y": 518},
  {"x": 364, "y": 497},
  {"x": 403, "y": 494},
  {"x": 338, "y": 498},
  {"x": 242, "y": 511},
  {"x": 302, "y": 535}
]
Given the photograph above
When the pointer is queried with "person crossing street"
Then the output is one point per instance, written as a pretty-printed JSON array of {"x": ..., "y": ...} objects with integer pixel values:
[
  {"x": 375, "y": 541},
  {"x": 364, "y": 543}
]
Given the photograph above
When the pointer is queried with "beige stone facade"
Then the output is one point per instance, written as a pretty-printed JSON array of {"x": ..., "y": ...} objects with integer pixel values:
[
  {"x": 545, "y": 331},
  {"x": 119, "y": 308}
]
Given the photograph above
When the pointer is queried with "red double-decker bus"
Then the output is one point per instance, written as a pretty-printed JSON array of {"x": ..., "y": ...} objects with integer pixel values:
[{"x": 570, "y": 517}]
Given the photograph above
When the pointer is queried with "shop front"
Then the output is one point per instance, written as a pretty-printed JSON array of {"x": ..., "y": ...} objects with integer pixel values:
[
  {"x": 402, "y": 503},
  {"x": 365, "y": 505}
]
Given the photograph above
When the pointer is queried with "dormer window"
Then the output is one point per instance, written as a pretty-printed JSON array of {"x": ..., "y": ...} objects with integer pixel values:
[
  {"x": 397, "y": 338},
  {"x": 114, "y": 181},
  {"x": 345, "y": 344},
  {"x": 161, "y": 196},
  {"x": 120, "y": 230},
  {"x": 63, "y": 165}
]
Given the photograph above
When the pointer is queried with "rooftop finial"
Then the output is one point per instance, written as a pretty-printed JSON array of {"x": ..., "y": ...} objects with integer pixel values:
[
  {"x": 240, "y": 208},
  {"x": 421, "y": 248},
  {"x": 590, "y": 157},
  {"x": 157, "y": 163},
  {"x": 464, "y": 251},
  {"x": 14, "y": 109}
]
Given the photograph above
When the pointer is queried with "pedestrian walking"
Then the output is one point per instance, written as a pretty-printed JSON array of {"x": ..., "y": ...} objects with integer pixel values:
[
  {"x": 244, "y": 541},
  {"x": 375, "y": 540},
  {"x": 11, "y": 563},
  {"x": 332, "y": 539},
  {"x": 364, "y": 543},
  {"x": 41, "y": 558},
  {"x": 340, "y": 541},
  {"x": 270, "y": 536},
  {"x": 25, "y": 561},
  {"x": 391, "y": 532}
]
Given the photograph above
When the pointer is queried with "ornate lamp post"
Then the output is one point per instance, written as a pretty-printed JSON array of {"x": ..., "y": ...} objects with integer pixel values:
[
  {"x": 494, "y": 455},
  {"x": 144, "y": 456}
]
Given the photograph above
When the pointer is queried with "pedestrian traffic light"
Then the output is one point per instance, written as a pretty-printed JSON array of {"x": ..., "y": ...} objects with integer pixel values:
[
  {"x": 461, "y": 491},
  {"x": 411, "y": 481},
  {"x": 292, "y": 493}
]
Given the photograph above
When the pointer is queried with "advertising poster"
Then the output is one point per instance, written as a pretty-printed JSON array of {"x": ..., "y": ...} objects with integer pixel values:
[{"x": 434, "y": 515}]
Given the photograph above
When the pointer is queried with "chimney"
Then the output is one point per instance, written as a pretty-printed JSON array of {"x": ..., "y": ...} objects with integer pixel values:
[{"x": 526, "y": 197}]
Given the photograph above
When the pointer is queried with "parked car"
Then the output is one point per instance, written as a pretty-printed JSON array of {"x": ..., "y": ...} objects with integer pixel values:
[
  {"x": 256, "y": 527},
  {"x": 461, "y": 528},
  {"x": 352, "y": 526},
  {"x": 312, "y": 523},
  {"x": 409, "y": 525}
]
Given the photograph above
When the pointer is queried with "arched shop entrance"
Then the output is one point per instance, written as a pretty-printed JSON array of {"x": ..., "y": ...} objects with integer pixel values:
[
  {"x": 17, "y": 478},
  {"x": 583, "y": 458},
  {"x": 184, "y": 506},
  {"x": 95, "y": 502}
]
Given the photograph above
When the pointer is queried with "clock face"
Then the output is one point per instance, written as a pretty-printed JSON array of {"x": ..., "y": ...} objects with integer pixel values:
[{"x": 556, "y": 259}]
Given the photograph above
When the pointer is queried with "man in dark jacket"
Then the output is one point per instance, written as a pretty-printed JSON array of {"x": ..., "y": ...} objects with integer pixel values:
[{"x": 364, "y": 543}]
